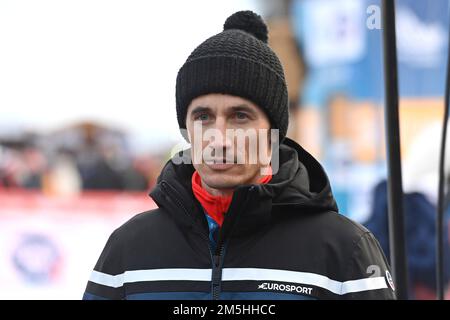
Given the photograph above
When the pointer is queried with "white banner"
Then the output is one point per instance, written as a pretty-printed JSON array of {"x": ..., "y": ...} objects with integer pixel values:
[{"x": 49, "y": 246}]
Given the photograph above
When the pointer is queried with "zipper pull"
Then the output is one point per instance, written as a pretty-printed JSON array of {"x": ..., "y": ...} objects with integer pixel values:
[{"x": 216, "y": 260}]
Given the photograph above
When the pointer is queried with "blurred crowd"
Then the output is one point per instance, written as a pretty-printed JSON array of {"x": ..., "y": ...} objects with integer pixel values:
[{"x": 85, "y": 156}]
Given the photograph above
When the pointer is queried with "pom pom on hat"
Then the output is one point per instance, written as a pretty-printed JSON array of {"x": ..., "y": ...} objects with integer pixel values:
[{"x": 249, "y": 22}]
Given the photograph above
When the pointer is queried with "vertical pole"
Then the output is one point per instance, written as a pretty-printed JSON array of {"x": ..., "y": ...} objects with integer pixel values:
[
  {"x": 442, "y": 181},
  {"x": 395, "y": 189}
]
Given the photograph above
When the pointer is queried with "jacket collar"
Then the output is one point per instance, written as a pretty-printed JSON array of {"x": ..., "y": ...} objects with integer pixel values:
[{"x": 300, "y": 183}]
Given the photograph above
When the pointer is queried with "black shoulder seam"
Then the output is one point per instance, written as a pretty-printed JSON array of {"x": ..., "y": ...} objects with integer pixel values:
[
  {"x": 119, "y": 243},
  {"x": 356, "y": 245}
]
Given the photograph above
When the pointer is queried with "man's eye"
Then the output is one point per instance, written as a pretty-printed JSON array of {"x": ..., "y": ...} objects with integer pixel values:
[
  {"x": 241, "y": 116},
  {"x": 202, "y": 117}
]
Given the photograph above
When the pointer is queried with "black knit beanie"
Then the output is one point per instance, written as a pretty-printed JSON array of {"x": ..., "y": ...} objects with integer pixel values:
[{"x": 238, "y": 62}]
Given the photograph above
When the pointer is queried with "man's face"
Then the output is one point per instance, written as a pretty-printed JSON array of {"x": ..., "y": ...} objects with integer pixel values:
[{"x": 232, "y": 145}]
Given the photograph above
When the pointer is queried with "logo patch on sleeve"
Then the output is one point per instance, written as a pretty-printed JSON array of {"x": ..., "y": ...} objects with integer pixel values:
[{"x": 389, "y": 280}]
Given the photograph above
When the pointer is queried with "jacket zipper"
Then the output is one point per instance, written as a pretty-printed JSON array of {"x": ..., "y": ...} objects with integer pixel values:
[
  {"x": 216, "y": 275},
  {"x": 217, "y": 266}
]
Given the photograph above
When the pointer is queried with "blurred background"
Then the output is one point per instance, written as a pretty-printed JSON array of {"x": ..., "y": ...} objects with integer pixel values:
[{"x": 87, "y": 119}]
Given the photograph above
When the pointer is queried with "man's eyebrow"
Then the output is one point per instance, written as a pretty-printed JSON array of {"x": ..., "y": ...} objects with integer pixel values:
[
  {"x": 236, "y": 108},
  {"x": 199, "y": 109},
  {"x": 243, "y": 107}
]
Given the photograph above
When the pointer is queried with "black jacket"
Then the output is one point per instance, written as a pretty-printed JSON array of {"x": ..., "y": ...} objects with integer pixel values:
[{"x": 281, "y": 240}]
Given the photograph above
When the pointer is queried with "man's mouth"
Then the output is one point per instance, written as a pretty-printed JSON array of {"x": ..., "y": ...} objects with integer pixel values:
[
  {"x": 219, "y": 161},
  {"x": 219, "y": 164}
]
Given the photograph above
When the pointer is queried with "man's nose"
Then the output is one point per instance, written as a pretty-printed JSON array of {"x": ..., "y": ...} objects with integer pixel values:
[{"x": 224, "y": 136}]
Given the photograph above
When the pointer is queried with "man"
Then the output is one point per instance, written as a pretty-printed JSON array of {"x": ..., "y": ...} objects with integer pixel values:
[{"x": 229, "y": 226}]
